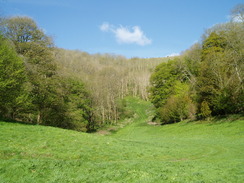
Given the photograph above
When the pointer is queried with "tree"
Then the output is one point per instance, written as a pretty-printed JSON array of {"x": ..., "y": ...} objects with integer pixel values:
[
  {"x": 220, "y": 80},
  {"x": 215, "y": 43},
  {"x": 169, "y": 92},
  {"x": 176, "y": 109},
  {"x": 12, "y": 77},
  {"x": 162, "y": 82},
  {"x": 23, "y": 30},
  {"x": 78, "y": 102},
  {"x": 35, "y": 47}
]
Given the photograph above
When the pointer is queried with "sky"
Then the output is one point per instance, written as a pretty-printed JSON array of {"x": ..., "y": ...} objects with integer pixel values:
[{"x": 131, "y": 28}]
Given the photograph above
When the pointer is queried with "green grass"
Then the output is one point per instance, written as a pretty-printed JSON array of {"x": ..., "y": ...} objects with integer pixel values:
[{"x": 183, "y": 152}]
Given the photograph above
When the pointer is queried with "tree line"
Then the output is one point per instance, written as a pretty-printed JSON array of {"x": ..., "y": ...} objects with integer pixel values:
[
  {"x": 42, "y": 84},
  {"x": 207, "y": 79}
]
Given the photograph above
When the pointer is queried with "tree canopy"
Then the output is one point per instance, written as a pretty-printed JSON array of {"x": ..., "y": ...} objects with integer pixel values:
[{"x": 12, "y": 77}]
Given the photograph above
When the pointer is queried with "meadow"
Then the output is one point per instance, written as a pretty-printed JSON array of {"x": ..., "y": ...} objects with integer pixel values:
[{"x": 205, "y": 151}]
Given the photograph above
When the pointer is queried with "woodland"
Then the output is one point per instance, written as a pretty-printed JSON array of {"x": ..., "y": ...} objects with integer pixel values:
[{"x": 45, "y": 85}]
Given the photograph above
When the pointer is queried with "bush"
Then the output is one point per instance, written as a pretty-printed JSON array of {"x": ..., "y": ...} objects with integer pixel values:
[
  {"x": 205, "y": 110},
  {"x": 177, "y": 108}
]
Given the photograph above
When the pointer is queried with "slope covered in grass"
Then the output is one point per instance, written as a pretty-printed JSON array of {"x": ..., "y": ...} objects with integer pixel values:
[{"x": 183, "y": 152}]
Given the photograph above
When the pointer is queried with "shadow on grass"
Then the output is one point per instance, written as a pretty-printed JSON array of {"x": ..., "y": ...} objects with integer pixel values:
[
  {"x": 228, "y": 118},
  {"x": 211, "y": 120},
  {"x": 221, "y": 119},
  {"x": 8, "y": 120}
]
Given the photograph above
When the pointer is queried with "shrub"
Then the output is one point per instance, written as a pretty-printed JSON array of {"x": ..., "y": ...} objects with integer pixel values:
[{"x": 177, "y": 108}]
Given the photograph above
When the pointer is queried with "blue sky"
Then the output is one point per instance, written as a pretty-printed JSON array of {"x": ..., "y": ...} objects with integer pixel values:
[{"x": 132, "y": 28}]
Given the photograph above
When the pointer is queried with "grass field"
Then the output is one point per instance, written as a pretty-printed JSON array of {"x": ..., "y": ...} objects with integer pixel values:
[{"x": 183, "y": 152}]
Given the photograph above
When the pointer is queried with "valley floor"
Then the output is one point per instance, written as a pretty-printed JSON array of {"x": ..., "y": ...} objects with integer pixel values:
[{"x": 183, "y": 152}]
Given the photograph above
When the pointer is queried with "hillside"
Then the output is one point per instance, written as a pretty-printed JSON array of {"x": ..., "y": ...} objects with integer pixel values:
[
  {"x": 74, "y": 89},
  {"x": 108, "y": 78},
  {"x": 182, "y": 152}
]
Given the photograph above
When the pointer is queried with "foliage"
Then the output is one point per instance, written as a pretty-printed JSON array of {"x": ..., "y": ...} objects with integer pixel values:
[
  {"x": 205, "y": 110},
  {"x": 12, "y": 78},
  {"x": 220, "y": 82},
  {"x": 79, "y": 105},
  {"x": 169, "y": 93},
  {"x": 163, "y": 80},
  {"x": 177, "y": 108},
  {"x": 22, "y": 29}
]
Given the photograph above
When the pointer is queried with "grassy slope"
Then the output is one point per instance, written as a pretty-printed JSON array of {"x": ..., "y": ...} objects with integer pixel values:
[{"x": 183, "y": 152}]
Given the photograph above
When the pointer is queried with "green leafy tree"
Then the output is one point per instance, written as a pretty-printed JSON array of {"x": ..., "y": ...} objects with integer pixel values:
[
  {"x": 176, "y": 109},
  {"x": 214, "y": 43},
  {"x": 21, "y": 29},
  {"x": 179, "y": 105},
  {"x": 35, "y": 47},
  {"x": 212, "y": 71},
  {"x": 169, "y": 93},
  {"x": 220, "y": 82},
  {"x": 79, "y": 107},
  {"x": 12, "y": 78},
  {"x": 162, "y": 82}
]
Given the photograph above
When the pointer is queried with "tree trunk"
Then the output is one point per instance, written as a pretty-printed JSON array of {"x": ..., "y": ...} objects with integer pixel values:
[{"x": 39, "y": 117}]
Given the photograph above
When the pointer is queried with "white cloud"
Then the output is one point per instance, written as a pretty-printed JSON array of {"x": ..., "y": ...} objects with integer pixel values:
[
  {"x": 126, "y": 35},
  {"x": 172, "y": 55}
]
